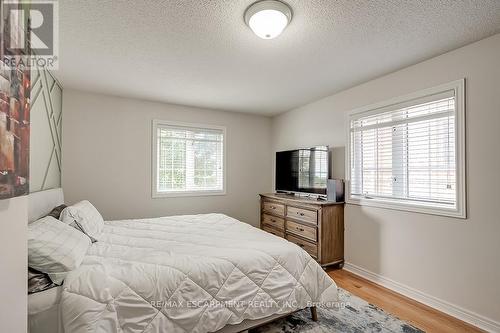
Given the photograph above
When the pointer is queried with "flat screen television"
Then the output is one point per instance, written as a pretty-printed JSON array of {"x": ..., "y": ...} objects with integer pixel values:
[{"x": 303, "y": 170}]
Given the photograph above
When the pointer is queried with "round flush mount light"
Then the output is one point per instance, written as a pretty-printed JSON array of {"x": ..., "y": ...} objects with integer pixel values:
[{"x": 268, "y": 18}]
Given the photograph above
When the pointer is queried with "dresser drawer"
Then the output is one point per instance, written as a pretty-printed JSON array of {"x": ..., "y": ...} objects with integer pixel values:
[
  {"x": 306, "y": 215},
  {"x": 310, "y": 248},
  {"x": 274, "y": 208},
  {"x": 301, "y": 230},
  {"x": 273, "y": 231},
  {"x": 273, "y": 221}
]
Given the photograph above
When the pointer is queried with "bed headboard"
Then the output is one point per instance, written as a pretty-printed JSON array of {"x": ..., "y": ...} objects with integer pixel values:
[{"x": 41, "y": 203}]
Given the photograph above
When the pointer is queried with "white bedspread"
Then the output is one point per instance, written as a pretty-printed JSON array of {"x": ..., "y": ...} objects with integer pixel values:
[{"x": 193, "y": 273}]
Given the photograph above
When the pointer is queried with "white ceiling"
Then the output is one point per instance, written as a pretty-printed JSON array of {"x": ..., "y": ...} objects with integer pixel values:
[{"x": 201, "y": 53}]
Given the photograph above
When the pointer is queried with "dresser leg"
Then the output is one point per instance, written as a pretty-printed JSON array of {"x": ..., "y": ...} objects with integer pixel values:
[{"x": 314, "y": 313}]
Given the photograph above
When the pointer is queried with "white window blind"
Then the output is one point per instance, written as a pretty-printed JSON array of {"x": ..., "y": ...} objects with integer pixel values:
[
  {"x": 189, "y": 159},
  {"x": 406, "y": 153}
]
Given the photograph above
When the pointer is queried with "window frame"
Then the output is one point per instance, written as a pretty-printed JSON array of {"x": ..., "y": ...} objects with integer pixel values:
[
  {"x": 156, "y": 123},
  {"x": 460, "y": 211}
]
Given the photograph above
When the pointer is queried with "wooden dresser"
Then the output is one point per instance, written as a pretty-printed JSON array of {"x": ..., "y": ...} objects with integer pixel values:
[{"x": 316, "y": 226}]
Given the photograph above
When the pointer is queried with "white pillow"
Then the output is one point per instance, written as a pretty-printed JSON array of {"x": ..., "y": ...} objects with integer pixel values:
[
  {"x": 86, "y": 217},
  {"x": 55, "y": 248}
]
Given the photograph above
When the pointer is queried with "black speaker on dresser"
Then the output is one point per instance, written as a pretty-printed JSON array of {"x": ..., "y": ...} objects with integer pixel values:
[{"x": 335, "y": 190}]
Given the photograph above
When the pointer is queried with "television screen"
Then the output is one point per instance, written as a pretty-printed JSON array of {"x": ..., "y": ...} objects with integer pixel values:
[{"x": 302, "y": 170}]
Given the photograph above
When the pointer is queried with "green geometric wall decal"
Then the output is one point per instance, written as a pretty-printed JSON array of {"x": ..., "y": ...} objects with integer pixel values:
[{"x": 46, "y": 130}]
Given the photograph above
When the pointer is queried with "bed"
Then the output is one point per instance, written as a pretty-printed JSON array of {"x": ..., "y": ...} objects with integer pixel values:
[{"x": 191, "y": 273}]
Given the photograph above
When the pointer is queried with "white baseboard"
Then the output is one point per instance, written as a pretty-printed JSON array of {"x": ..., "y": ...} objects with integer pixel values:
[{"x": 470, "y": 317}]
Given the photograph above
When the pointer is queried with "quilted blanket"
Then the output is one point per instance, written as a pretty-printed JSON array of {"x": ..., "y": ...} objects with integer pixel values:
[{"x": 193, "y": 273}]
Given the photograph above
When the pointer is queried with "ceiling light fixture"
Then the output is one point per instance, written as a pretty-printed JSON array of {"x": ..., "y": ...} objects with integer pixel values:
[{"x": 268, "y": 18}]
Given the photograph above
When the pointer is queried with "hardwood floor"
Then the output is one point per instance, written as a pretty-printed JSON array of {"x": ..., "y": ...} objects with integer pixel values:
[{"x": 418, "y": 314}]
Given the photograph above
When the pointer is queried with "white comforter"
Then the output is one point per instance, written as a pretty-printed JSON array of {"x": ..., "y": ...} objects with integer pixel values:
[{"x": 193, "y": 273}]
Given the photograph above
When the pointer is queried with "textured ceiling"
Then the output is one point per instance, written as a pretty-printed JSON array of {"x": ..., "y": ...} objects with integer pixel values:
[{"x": 201, "y": 53}]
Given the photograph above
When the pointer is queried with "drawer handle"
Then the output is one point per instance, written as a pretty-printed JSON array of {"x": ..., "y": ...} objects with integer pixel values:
[
  {"x": 300, "y": 229},
  {"x": 301, "y": 245},
  {"x": 273, "y": 220},
  {"x": 301, "y": 214},
  {"x": 273, "y": 207}
]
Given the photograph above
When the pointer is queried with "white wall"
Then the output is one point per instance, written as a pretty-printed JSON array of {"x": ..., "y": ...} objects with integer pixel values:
[
  {"x": 107, "y": 157},
  {"x": 455, "y": 260},
  {"x": 13, "y": 264}
]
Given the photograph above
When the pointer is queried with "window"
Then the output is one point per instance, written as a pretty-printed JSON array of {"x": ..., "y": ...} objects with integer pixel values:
[
  {"x": 409, "y": 153},
  {"x": 188, "y": 159}
]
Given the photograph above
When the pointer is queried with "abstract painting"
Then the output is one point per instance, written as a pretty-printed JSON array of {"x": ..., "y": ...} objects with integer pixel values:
[{"x": 14, "y": 119}]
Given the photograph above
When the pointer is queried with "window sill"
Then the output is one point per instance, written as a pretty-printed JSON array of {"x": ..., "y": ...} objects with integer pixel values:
[
  {"x": 408, "y": 206},
  {"x": 159, "y": 195}
]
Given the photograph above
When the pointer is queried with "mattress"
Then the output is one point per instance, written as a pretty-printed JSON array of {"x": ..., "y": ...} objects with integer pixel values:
[{"x": 192, "y": 273}]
